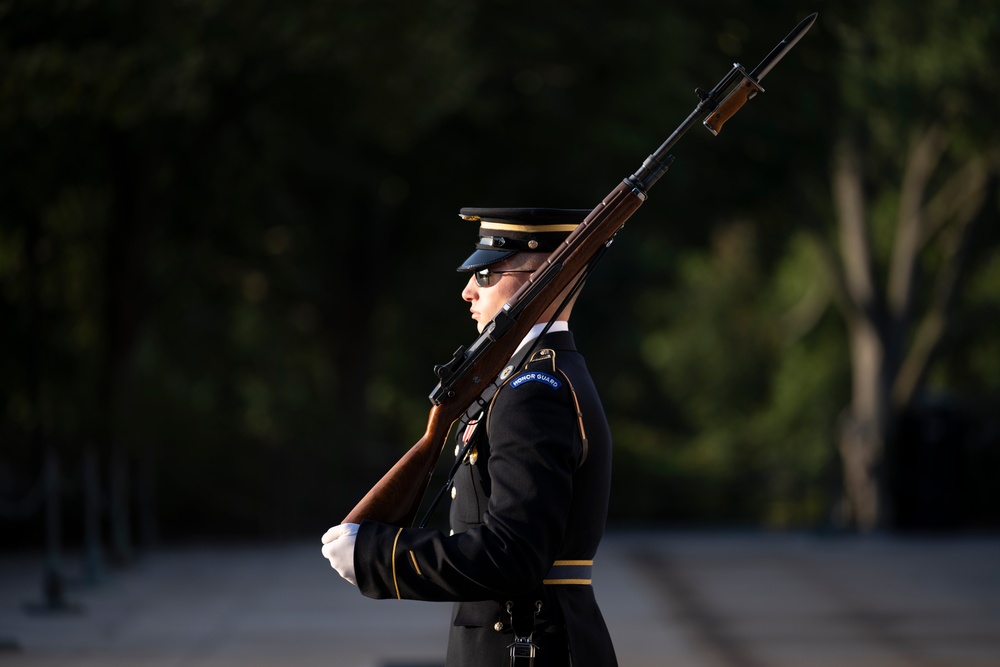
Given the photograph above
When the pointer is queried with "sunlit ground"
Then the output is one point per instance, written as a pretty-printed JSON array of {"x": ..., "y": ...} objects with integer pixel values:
[{"x": 677, "y": 599}]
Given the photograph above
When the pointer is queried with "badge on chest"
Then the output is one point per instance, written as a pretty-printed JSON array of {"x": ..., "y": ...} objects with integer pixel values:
[{"x": 471, "y": 453}]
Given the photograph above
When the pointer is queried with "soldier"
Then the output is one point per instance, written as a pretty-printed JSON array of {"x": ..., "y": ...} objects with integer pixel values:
[{"x": 529, "y": 494}]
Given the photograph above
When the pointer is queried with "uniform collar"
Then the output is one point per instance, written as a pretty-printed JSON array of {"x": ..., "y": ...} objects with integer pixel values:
[{"x": 536, "y": 331}]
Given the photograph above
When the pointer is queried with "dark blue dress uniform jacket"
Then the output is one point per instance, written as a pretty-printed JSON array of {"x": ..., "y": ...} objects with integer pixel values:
[{"x": 529, "y": 494}]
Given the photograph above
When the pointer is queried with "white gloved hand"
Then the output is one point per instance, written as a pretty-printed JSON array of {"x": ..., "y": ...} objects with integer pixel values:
[{"x": 338, "y": 548}]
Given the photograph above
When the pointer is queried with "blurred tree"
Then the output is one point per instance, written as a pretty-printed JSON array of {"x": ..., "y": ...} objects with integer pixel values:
[
  {"x": 911, "y": 171},
  {"x": 747, "y": 421},
  {"x": 220, "y": 219}
]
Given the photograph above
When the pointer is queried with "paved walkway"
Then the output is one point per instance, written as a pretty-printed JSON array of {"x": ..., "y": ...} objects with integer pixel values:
[{"x": 671, "y": 599}]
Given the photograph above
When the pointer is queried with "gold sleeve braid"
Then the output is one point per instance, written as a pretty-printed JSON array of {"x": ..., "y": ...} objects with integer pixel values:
[{"x": 395, "y": 583}]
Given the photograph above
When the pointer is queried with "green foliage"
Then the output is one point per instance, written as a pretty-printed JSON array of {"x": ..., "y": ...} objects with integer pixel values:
[
  {"x": 908, "y": 64},
  {"x": 750, "y": 364},
  {"x": 905, "y": 68},
  {"x": 226, "y": 232}
]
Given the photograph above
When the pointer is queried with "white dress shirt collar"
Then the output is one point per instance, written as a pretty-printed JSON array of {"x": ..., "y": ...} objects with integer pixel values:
[{"x": 536, "y": 331}]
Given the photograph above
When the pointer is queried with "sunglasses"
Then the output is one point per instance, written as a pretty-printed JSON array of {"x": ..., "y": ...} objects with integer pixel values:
[{"x": 484, "y": 277}]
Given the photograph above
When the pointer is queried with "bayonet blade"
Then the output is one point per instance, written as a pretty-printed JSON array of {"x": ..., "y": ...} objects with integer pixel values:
[{"x": 783, "y": 47}]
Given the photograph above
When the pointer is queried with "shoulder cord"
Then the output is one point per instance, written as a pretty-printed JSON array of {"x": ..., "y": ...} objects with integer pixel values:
[{"x": 550, "y": 354}]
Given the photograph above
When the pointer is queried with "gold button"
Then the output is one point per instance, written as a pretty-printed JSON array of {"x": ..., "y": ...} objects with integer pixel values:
[
  {"x": 454, "y": 492},
  {"x": 498, "y": 626},
  {"x": 473, "y": 456},
  {"x": 458, "y": 450}
]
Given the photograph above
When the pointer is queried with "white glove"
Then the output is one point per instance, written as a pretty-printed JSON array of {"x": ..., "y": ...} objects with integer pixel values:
[{"x": 338, "y": 548}]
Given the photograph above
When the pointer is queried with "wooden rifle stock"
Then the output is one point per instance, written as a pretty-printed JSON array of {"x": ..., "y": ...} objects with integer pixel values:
[{"x": 396, "y": 498}]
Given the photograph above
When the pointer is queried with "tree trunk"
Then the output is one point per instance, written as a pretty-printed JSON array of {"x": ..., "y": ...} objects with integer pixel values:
[
  {"x": 887, "y": 371},
  {"x": 860, "y": 447},
  {"x": 864, "y": 430}
]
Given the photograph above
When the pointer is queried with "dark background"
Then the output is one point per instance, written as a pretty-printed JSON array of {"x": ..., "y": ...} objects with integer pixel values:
[{"x": 227, "y": 234}]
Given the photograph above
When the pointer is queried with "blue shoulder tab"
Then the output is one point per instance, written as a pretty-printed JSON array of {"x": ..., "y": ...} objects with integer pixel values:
[{"x": 536, "y": 376}]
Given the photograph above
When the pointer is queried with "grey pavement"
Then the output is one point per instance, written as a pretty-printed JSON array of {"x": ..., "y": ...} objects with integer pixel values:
[{"x": 670, "y": 599}]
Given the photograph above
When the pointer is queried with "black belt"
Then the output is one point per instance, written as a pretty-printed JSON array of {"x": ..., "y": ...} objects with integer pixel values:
[{"x": 563, "y": 572}]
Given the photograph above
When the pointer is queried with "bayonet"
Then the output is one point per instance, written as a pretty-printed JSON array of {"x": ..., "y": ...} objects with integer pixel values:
[
  {"x": 783, "y": 47},
  {"x": 749, "y": 86}
]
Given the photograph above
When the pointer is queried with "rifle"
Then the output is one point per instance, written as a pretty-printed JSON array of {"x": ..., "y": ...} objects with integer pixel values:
[{"x": 471, "y": 370}]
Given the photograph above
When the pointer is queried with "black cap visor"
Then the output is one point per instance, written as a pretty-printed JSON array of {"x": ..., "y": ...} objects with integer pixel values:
[{"x": 482, "y": 258}]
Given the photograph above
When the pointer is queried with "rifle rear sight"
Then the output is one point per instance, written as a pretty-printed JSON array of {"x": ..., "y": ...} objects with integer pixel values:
[{"x": 447, "y": 369}]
